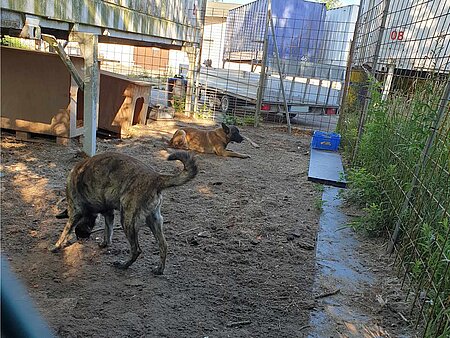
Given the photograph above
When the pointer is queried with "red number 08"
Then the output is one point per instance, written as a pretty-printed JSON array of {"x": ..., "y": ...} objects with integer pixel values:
[{"x": 397, "y": 35}]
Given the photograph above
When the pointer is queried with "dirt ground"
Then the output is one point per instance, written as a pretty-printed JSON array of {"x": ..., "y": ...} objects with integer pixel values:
[{"x": 241, "y": 240}]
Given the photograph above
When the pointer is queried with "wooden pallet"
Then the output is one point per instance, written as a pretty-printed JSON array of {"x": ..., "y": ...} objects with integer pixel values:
[{"x": 41, "y": 138}]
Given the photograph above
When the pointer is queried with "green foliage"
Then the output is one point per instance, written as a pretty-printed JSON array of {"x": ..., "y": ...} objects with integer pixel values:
[
  {"x": 179, "y": 103},
  {"x": 248, "y": 120},
  {"x": 204, "y": 112},
  {"x": 372, "y": 222},
  {"x": 230, "y": 119},
  {"x": 319, "y": 188},
  {"x": 318, "y": 203},
  {"x": 363, "y": 187},
  {"x": 431, "y": 239},
  {"x": 331, "y": 3},
  {"x": 14, "y": 42},
  {"x": 389, "y": 153},
  {"x": 348, "y": 130}
]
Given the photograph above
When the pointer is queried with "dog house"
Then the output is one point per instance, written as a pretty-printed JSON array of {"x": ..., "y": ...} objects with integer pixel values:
[
  {"x": 40, "y": 97},
  {"x": 38, "y": 94},
  {"x": 123, "y": 102}
]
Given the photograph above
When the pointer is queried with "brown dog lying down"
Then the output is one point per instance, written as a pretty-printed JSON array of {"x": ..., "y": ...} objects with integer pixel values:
[
  {"x": 208, "y": 141},
  {"x": 113, "y": 181}
]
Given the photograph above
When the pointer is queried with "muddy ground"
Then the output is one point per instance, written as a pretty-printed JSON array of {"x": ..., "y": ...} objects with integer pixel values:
[{"x": 241, "y": 240}]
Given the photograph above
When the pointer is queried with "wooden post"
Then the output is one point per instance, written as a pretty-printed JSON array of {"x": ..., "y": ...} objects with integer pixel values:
[
  {"x": 89, "y": 48},
  {"x": 51, "y": 40}
]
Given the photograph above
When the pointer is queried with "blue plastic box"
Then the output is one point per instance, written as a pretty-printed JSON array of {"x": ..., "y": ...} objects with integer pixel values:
[{"x": 325, "y": 141}]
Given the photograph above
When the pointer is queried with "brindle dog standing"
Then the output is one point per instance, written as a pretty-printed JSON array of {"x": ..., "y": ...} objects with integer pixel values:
[
  {"x": 208, "y": 141},
  {"x": 112, "y": 181}
]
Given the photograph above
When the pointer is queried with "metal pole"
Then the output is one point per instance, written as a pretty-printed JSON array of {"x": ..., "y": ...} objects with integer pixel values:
[
  {"x": 262, "y": 75},
  {"x": 423, "y": 160},
  {"x": 329, "y": 89},
  {"x": 191, "y": 52},
  {"x": 198, "y": 63},
  {"x": 363, "y": 116},
  {"x": 277, "y": 56},
  {"x": 349, "y": 64}
]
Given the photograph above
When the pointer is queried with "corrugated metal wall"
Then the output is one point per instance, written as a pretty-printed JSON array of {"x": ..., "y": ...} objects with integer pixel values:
[{"x": 175, "y": 19}]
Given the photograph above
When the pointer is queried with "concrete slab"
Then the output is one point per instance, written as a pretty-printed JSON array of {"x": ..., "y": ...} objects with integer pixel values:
[
  {"x": 338, "y": 268},
  {"x": 325, "y": 167},
  {"x": 341, "y": 273}
]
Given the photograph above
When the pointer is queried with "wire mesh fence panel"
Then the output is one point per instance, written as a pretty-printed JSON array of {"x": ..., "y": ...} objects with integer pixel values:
[
  {"x": 240, "y": 80},
  {"x": 398, "y": 98},
  {"x": 229, "y": 75},
  {"x": 156, "y": 65}
]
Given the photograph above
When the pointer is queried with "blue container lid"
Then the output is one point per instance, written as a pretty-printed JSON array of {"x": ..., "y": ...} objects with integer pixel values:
[{"x": 325, "y": 134}]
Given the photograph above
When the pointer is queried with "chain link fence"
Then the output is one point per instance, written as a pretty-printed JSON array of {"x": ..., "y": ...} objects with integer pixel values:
[
  {"x": 275, "y": 61},
  {"x": 395, "y": 128},
  {"x": 272, "y": 62}
]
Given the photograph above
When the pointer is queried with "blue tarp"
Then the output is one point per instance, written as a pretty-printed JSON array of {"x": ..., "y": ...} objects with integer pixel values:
[
  {"x": 245, "y": 28},
  {"x": 298, "y": 29}
]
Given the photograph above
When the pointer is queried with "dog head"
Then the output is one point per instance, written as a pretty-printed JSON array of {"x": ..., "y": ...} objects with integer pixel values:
[
  {"x": 82, "y": 232},
  {"x": 83, "y": 229},
  {"x": 232, "y": 133}
]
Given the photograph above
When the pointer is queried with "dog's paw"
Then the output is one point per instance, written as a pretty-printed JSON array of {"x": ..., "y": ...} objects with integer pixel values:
[
  {"x": 103, "y": 244},
  {"x": 120, "y": 265},
  {"x": 54, "y": 248},
  {"x": 247, "y": 156}
]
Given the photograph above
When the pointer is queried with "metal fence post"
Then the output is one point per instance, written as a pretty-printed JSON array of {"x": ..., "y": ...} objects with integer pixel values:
[
  {"x": 422, "y": 161},
  {"x": 191, "y": 51},
  {"x": 199, "y": 61},
  {"x": 362, "y": 118},
  {"x": 349, "y": 66},
  {"x": 262, "y": 75},
  {"x": 277, "y": 56}
]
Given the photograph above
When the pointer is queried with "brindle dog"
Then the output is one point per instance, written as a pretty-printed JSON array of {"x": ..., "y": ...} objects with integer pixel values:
[
  {"x": 113, "y": 181},
  {"x": 208, "y": 141}
]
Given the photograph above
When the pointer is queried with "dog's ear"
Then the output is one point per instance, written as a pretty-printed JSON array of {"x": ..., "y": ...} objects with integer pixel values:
[{"x": 225, "y": 128}]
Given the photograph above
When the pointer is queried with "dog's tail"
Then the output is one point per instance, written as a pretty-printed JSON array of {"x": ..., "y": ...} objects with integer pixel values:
[{"x": 189, "y": 172}]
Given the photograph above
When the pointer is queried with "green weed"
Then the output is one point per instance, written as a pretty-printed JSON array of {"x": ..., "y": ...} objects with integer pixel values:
[
  {"x": 248, "y": 120},
  {"x": 204, "y": 112},
  {"x": 179, "y": 103},
  {"x": 380, "y": 178}
]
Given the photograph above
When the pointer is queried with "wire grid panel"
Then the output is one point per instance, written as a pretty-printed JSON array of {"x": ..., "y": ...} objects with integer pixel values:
[
  {"x": 406, "y": 140},
  {"x": 313, "y": 48},
  {"x": 159, "y": 66}
]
